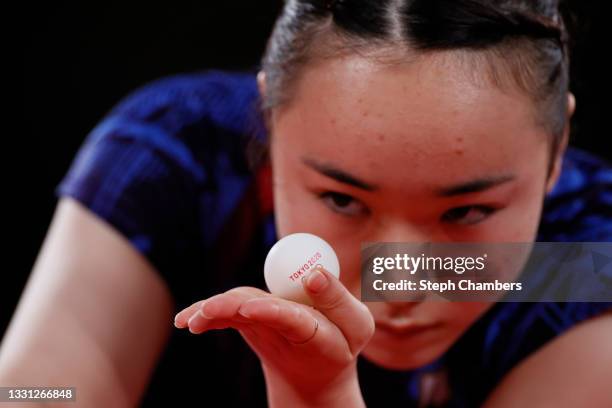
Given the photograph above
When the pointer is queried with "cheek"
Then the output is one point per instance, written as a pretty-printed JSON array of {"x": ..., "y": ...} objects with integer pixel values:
[
  {"x": 293, "y": 207},
  {"x": 297, "y": 210},
  {"x": 519, "y": 221},
  {"x": 522, "y": 221},
  {"x": 349, "y": 254},
  {"x": 523, "y": 217}
]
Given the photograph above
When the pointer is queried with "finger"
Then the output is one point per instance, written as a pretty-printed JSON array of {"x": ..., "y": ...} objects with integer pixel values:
[
  {"x": 199, "y": 324},
  {"x": 222, "y": 307},
  {"x": 245, "y": 292},
  {"x": 290, "y": 319},
  {"x": 332, "y": 299},
  {"x": 181, "y": 318},
  {"x": 226, "y": 305}
]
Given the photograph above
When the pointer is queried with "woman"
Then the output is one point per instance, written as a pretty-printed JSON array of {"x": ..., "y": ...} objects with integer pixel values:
[{"x": 371, "y": 110}]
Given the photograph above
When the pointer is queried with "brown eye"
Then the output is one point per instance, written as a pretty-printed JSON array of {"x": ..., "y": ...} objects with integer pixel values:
[
  {"x": 342, "y": 203},
  {"x": 468, "y": 215}
]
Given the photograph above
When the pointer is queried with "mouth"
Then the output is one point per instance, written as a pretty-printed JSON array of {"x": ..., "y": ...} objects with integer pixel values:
[{"x": 404, "y": 326}]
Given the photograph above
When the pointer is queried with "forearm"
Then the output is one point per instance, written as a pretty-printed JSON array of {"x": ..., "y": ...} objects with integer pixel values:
[
  {"x": 342, "y": 392},
  {"x": 91, "y": 391}
]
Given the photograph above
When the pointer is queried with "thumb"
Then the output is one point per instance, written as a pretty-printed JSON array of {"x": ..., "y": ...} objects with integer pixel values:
[{"x": 332, "y": 298}]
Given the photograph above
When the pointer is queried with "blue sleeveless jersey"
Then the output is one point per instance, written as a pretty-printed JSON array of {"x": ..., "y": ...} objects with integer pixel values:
[{"x": 168, "y": 169}]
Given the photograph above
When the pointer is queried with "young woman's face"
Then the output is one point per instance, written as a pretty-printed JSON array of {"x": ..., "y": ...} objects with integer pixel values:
[{"x": 372, "y": 153}]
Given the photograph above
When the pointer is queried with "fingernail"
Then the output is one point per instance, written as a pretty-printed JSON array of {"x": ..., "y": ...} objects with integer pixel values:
[
  {"x": 316, "y": 281},
  {"x": 244, "y": 313}
]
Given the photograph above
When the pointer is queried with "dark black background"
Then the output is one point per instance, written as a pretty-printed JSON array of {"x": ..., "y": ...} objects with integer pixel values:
[{"x": 77, "y": 59}]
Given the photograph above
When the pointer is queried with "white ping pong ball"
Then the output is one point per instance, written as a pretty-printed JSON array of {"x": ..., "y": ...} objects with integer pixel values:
[{"x": 292, "y": 258}]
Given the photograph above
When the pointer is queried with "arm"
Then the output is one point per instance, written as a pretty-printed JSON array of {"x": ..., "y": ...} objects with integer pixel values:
[
  {"x": 574, "y": 370},
  {"x": 74, "y": 325}
]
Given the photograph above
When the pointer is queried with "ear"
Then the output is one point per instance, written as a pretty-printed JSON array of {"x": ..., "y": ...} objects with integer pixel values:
[
  {"x": 261, "y": 82},
  {"x": 261, "y": 85},
  {"x": 556, "y": 171}
]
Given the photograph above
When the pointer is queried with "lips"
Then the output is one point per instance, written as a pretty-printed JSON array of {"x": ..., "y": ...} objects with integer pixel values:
[{"x": 404, "y": 326}]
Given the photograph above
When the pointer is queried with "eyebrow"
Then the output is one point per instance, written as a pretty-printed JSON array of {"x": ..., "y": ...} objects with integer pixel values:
[
  {"x": 474, "y": 186},
  {"x": 338, "y": 174},
  {"x": 343, "y": 176}
]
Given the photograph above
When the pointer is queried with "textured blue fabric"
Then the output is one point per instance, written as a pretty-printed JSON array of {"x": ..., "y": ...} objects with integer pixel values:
[{"x": 167, "y": 169}]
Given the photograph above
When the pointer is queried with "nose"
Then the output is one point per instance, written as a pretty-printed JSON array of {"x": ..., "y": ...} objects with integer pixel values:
[
  {"x": 394, "y": 230},
  {"x": 399, "y": 237}
]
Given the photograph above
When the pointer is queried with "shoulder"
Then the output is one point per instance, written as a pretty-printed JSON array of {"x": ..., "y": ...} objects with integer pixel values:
[
  {"x": 579, "y": 208},
  {"x": 188, "y": 120},
  {"x": 571, "y": 370},
  {"x": 167, "y": 159},
  {"x": 489, "y": 362},
  {"x": 218, "y": 97}
]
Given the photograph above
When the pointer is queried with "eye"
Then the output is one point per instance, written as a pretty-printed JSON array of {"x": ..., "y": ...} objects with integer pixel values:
[
  {"x": 471, "y": 214},
  {"x": 342, "y": 203}
]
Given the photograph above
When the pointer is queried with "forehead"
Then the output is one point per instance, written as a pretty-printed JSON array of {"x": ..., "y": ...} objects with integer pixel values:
[{"x": 434, "y": 112}]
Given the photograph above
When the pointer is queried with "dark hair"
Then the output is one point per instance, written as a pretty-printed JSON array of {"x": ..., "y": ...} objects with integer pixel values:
[{"x": 525, "y": 42}]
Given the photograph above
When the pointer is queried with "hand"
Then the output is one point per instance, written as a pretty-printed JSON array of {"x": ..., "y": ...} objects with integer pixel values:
[{"x": 308, "y": 353}]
